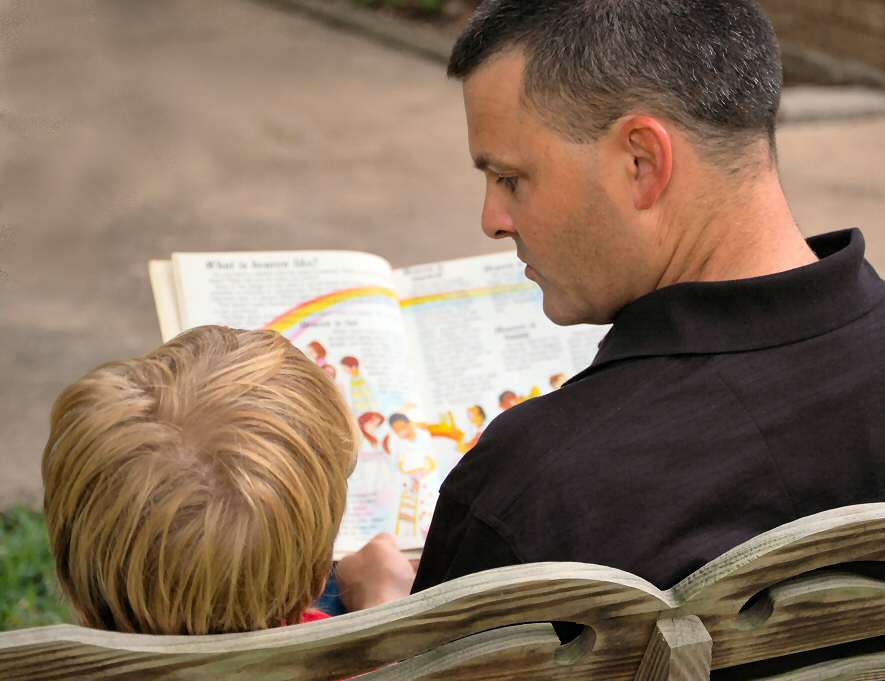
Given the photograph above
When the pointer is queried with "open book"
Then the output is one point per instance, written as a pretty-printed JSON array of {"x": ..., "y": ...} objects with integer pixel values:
[{"x": 426, "y": 356}]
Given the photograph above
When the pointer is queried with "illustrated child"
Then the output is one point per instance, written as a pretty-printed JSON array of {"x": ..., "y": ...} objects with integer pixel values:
[
  {"x": 369, "y": 424},
  {"x": 556, "y": 381},
  {"x": 477, "y": 417},
  {"x": 374, "y": 472},
  {"x": 317, "y": 352},
  {"x": 361, "y": 399},
  {"x": 412, "y": 449},
  {"x": 507, "y": 400},
  {"x": 198, "y": 489}
]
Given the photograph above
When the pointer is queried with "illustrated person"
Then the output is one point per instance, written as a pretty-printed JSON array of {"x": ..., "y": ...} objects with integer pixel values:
[
  {"x": 374, "y": 472},
  {"x": 507, "y": 399},
  {"x": 477, "y": 417},
  {"x": 317, "y": 352},
  {"x": 412, "y": 449},
  {"x": 628, "y": 149},
  {"x": 369, "y": 424},
  {"x": 556, "y": 381},
  {"x": 177, "y": 485},
  {"x": 361, "y": 399}
]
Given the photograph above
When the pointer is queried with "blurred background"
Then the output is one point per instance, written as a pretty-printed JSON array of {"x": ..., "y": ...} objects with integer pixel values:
[{"x": 132, "y": 129}]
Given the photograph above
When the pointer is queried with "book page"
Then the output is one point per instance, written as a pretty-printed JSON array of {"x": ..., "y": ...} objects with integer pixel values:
[
  {"x": 341, "y": 310},
  {"x": 483, "y": 345},
  {"x": 162, "y": 276}
]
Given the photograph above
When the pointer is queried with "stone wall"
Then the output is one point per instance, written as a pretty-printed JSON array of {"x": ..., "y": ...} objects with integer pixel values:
[{"x": 831, "y": 40}]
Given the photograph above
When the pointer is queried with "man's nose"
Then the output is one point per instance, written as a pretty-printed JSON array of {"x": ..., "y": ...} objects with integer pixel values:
[{"x": 496, "y": 220}]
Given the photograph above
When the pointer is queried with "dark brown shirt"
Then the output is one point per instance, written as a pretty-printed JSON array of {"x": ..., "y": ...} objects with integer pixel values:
[{"x": 713, "y": 412}]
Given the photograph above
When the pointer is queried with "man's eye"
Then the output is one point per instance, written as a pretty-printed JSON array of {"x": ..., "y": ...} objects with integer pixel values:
[{"x": 510, "y": 182}]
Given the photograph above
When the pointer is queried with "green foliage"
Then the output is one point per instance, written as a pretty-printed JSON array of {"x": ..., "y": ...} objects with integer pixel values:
[{"x": 29, "y": 594}]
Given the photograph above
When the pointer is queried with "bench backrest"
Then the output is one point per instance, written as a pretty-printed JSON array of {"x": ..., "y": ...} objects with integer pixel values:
[{"x": 806, "y": 585}]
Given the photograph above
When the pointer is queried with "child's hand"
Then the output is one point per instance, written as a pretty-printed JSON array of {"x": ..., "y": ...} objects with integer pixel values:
[{"x": 377, "y": 573}]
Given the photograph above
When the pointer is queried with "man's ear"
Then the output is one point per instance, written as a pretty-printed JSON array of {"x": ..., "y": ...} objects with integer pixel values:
[{"x": 649, "y": 150}]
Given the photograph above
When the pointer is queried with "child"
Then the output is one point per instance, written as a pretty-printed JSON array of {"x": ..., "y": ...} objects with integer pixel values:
[{"x": 198, "y": 489}]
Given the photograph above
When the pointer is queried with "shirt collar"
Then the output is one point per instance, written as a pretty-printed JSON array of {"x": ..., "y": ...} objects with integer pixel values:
[{"x": 750, "y": 314}]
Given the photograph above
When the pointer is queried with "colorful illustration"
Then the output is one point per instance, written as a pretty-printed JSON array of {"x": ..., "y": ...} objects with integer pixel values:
[
  {"x": 556, "y": 381},
  {"x": 476, "y": 415},
  {"x": 369, "y": 424},
  {"x": 412, "y": 450},
  {"x": 466, "y": 294},
  {"x": 374, "y": 472},
  {"x": 361, "y": 399},
  {"x": 509, "y": 399},
  {"x": 421, "y": 355},
  {"x": 403, "y": 460},
  {"x": 300, "y": 318},
  {"x": 317, "y": 352},
  {"x": 445, "y": 427}
]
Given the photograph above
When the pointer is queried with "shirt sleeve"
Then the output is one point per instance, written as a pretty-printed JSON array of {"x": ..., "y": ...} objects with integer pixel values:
[{"x": 458, "y": 544}]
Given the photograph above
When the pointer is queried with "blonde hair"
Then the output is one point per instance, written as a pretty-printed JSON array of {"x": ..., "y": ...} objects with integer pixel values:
[{"x": 198, "y": 489}]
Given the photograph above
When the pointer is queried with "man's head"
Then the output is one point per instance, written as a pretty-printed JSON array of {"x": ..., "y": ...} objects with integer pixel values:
[
  {"x": 594, "y": 120},
  {"x": 197, "y": 489}
]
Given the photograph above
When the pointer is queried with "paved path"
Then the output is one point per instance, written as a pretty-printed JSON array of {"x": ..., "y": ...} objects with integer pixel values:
[{"x": 131, "y": 129}]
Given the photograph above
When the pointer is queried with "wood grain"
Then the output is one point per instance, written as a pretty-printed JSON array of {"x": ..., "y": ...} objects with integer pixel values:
[
  {"x": 679, "y": 649},
  {"x": 777, "y": 594}
]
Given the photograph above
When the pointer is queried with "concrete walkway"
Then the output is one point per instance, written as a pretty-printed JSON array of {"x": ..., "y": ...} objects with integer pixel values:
[{"x": 131, "y": 130}]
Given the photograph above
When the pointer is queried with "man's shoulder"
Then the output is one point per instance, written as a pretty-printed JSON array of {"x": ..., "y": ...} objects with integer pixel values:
[
  {"x": 644, "y": 411},
  {"x": 581, "y": 424},
  {"x": 644, "y": 444}
]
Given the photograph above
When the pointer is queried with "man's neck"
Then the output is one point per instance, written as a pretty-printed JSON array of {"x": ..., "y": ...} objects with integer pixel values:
[{"x": 730, "y": 238}]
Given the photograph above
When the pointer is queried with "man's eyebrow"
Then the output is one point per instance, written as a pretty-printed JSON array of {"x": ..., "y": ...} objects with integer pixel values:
[{"x": 484, "y": 163}]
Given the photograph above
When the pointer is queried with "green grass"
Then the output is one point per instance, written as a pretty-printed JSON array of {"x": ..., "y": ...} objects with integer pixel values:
[{"x": 29, "y": 595}]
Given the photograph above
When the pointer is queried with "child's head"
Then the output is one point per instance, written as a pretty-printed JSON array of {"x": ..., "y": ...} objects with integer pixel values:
[{"x": 197, "y": 489}]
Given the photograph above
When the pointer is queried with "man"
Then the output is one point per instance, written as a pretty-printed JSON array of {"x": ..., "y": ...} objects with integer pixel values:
[{"x": 629, "y": 151}]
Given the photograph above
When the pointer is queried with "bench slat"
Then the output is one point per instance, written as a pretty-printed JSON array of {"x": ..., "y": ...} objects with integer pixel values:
[{"x": 764, "y": 599}]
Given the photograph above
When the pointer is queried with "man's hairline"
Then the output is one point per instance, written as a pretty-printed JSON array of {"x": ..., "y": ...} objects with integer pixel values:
[{"x": 549, "y": 117}]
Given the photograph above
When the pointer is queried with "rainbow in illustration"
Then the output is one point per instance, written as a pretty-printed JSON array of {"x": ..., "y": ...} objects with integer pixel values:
[
  {"x": 466, "y": 293},
  {"x": 294, "y": 322},
  {"x": 297, "y": 320}
]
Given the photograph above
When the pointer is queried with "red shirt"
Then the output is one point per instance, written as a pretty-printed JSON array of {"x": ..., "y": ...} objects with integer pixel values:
[{"x": 308, "y": 616}]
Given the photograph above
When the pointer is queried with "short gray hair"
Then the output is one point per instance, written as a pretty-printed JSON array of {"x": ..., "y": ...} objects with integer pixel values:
[{"x": 711, "y": 66}]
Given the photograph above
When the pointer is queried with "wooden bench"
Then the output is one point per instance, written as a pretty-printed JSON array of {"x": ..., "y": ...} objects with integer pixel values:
[{"x": 807, "y": 585}]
